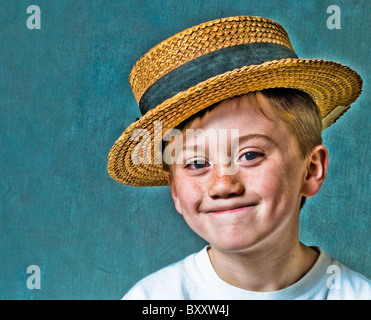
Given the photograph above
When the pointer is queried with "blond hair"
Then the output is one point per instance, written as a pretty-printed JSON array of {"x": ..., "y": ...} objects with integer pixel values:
[{"x": 299, "y": 111}]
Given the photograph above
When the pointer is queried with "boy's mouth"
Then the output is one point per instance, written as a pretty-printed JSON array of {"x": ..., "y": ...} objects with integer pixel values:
[{"x": 232, "y": 209}]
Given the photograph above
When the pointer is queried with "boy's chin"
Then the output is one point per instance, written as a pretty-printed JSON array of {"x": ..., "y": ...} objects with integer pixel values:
[{"x": 233, "y": 246}]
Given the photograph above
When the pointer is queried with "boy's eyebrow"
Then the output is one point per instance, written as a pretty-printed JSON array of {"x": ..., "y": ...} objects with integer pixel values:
[
  {"x": 241, "y": 139},
  {"x": 256, "y": 136}
]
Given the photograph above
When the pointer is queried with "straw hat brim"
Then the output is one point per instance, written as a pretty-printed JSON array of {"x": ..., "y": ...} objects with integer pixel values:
[{"x": 334, "y": 87}]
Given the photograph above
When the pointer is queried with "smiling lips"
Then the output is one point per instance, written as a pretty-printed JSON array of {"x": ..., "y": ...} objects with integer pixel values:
[{"x": 233, "y": 209}]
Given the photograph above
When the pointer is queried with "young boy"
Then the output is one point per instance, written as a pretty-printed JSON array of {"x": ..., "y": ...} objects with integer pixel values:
[{"x": 245, "y": 153}]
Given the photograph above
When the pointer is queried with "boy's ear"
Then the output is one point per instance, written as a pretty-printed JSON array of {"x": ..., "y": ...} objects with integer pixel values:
[
  {"x": 316, "y": 171},
  {"x": 174, "y": 193}
]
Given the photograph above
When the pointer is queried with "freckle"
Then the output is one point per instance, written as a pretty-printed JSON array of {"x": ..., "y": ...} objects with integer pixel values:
[{"x": 197, "y": 187}]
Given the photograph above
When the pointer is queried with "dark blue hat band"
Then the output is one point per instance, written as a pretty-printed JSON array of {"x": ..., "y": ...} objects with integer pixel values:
[{"x": 210, "y": 65}]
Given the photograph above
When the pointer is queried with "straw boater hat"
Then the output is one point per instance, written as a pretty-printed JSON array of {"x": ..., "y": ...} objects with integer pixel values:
[{"x": 209, "y": 63}]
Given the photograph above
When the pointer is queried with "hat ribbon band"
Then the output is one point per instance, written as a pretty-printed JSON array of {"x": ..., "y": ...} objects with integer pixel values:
[{"x": 208, "y": 66}]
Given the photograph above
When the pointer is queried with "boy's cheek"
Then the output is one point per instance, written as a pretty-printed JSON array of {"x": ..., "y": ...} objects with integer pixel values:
[{"x": 188, "y": 195}]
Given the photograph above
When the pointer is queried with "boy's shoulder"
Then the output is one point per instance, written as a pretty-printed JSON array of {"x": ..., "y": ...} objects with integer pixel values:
[
  {"x": 174, "y": 282},
  {"x": 195, "y": 278},
  {"x": 346, "y": 284}
]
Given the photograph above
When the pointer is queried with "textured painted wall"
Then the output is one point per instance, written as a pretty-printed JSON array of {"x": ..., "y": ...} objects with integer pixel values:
[{"x": 65, "y": 99}]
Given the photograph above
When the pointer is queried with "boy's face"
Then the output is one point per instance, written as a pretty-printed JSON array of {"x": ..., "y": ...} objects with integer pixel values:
[{"x": 236, "y": 210}]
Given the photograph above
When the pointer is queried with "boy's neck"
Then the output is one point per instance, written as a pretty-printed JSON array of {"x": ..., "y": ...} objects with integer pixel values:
[{"x": 267, "y": 269}]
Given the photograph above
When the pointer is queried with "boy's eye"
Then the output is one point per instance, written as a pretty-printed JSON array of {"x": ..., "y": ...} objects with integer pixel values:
[
  {"x": 197, "y": 164},
  {"x": 250, "y": 156}
]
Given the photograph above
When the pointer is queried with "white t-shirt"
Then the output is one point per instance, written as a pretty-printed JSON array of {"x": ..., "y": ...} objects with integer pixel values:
[{"x": 194, "y": 278}]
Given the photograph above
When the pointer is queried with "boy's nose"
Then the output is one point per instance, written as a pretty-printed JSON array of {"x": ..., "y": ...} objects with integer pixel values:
[{"x": 225, "y": 186}]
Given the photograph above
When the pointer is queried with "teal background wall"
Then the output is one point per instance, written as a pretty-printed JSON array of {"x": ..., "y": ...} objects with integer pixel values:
[{"x": 65, "y": 99}]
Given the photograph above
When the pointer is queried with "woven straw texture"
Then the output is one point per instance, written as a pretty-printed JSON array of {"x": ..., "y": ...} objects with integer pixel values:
[
  {"x": 200, "y": 40},
  {"x": 329, "y": 83}
]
